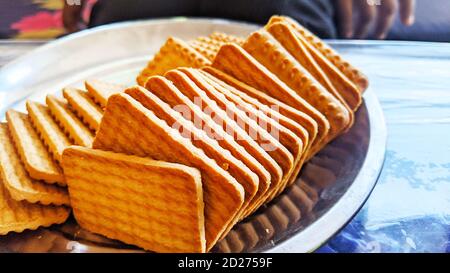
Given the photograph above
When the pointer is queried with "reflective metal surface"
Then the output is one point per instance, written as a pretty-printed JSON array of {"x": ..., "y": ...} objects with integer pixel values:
[{"x": 329, "y": 191}]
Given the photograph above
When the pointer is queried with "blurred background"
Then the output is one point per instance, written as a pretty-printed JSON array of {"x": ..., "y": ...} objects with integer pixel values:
[{"x": 418, "y": 20}]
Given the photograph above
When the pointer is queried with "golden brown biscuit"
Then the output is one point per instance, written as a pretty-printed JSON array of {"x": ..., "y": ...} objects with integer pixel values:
[
  {"x": 174, "y": 53},
  {"x": 210, "y": 147},
  {"x": 316, "y": 46},
  {"x": 84, "y": 106},
  {"x": 100, "y": 91},
  {"x": 37, "y": 160},
  {"x": 274, "y": 111},
  {"x": 326, "y": 73},
  {"x": 226, "y": 38},
  {"x": 69, "y": 122},
  {"x": 218, "y": 104},
  {"x": 17, "y": 181},
  {"x": 265, "y": 103},
  {"x": 267, "y": 51},
  {"x": 129, "y": 127},
  {"x": 257, "y": 97},
  {"x": 17, "y": 216},
  {"x": 52, "y": 136},
  {"x": 227, "y": 134},
  {"x": 290, "y": 140},
  {"x": 152, "y": 204},
  {"x": 207, "y": 50},
  {"x": 236, "y": 62}
]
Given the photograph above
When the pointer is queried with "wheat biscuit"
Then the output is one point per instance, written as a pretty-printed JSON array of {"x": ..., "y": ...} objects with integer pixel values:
[
  {"x": 84, "y": 106},
  {"x": 100, "y": 91},
  {"x": 268, "y": 52},
  {"x": 174, "y": 53},
  {"x": 129, "y": 127},
  {"x": 17, "y": 181},
  {"x": 216, "y": 104},
  {"x": 236, "y": 62},
  {"x": 321, "y": 50},
  {"x": 323, "y": 70},
  {"x": 227, "y": 135},
  {"x": 210, "y": 147},
  {"x": 292, "y": 141},
  {"x": 37, "y": 160},
  {"x": 253, "y": 95},
  {"x": 153, "y": 204},
  {"x": 51, "y": 134},
  {"x": 69, "y": 122},
  {"x": 17, "y": 216}
]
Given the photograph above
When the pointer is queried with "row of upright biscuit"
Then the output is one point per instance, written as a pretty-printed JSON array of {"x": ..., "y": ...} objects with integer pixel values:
[{"x": 33, "y": 184}]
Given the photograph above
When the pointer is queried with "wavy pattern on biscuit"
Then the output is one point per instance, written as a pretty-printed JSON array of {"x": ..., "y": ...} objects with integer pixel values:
[
  {"x": 236, "y": 62},
  {"x": 100, "y": 91},
  {"x": 17, "y": 216},
  {"x": 323, "y": 70},
  {"x": 51, "y": 134},
  {"x": 354, "y": 74},
  {"x": 74, "y": 128},
  {"x": 266, "y": 50},
  {"x": 226, "y": 38},
  {"x": 84, "y": 106},
  {"x": 17, "y": 181},
  {"x": 37, "y": 160}
]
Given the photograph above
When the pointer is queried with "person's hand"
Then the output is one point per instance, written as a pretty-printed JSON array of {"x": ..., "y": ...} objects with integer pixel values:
[
  {"x": 379, "y": 14},
  {"x": 71, "y": 15}
]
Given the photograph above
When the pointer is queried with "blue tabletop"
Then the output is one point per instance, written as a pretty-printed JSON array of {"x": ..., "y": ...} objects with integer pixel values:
[{"x": 409, "y": 209}]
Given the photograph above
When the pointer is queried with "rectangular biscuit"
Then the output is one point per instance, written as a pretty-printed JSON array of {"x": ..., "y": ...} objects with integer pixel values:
[
  {"x": 17, "y": 181},
  {"x": 226, "y": 38},
  {"x": 166, "y": 211},
  {"x": 298, "y": 129},
  {"x": 268, "y": 52},
  {"x": 84, "y": 106},
  {"x": 243, "y": 147},
  {"x": 69, "y": 122},
  {"x": 245, "y": 114},
  {"x": 210, "y": 147},
  {"x": 100, "y": 91},
  {"x": 253, "y": 96},
  {"x": 245, "y": 91},
  {"x": 17, "y": 216},
  {"x": 53, "y": 137},
  {"x": 236, "y": 62},
  {"x": 174, "y": 53},
  {"x": 340, "y": 87},
  {"x": 326, "y": 73},
  {"x": 204, "y": 48},
  {"x": 296, "y": 142},
  {"x": 129, "y": 127},
  {"x": 316, "y": 45},
  {"x": 37, "y": 160},
  {"x": 212, "y": 100}
]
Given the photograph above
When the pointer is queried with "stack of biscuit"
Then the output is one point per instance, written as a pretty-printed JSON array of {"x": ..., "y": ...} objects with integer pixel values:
[{"x": 217, "y": 127}]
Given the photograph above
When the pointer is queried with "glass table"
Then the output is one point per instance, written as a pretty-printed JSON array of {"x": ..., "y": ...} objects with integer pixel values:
[{"x": 409, "y": 209}]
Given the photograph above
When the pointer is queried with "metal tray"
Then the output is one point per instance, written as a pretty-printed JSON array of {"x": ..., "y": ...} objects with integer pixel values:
[{"x": 329, "y": 191}]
